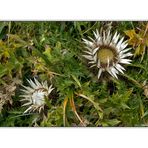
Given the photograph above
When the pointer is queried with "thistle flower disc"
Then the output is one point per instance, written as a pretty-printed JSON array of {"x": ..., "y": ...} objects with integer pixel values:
[
  {"x": 107, "y": 52},
  {"x": 35, "y": 95}
]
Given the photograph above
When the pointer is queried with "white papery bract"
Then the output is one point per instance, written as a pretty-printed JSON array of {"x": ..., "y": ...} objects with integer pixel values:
[
  {"x": 35, "y": 95},
  {"x": 107, "y": 52}
]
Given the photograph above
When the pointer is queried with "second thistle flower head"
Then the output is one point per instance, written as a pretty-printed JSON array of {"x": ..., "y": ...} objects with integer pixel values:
[
  {"x": 35, "y": 95},
  {"x": 107, "y": 52}
]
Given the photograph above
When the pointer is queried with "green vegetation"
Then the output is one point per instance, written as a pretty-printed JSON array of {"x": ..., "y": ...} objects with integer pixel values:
[{"x": 53, "y": 51}]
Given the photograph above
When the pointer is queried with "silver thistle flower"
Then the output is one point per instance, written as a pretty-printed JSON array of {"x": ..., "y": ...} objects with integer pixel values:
[
  {"x": 107, "y": 52},
  {"x": 35, "y": 95}
]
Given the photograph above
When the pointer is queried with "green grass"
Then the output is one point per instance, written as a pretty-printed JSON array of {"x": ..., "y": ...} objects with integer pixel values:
[{"x": 53, "y": 51}]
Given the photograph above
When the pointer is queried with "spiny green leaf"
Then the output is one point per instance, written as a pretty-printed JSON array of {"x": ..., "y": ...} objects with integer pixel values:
[{"x": 77, "y": 81}]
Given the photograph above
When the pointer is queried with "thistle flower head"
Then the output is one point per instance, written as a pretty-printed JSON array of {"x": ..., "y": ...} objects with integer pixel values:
[
  {"x": 35, "y": 95},
  {"x": 107, "y": 52}
]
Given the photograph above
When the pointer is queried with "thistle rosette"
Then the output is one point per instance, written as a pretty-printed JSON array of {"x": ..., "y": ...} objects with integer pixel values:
[
  {"x": 35, "y": 95},
  {"x": 107, "y": 52}
]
